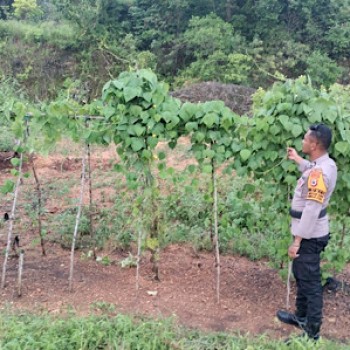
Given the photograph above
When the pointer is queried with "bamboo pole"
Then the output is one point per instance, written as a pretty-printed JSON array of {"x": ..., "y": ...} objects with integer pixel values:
[
  {"x": 39, "y": 196},
  {"x": 12, "y": 219},
  {"x": 91, "y": 211},
  {"x": 77, "y": 221},
  {"x": 20, "y": 272},
  {"x": 216, "y": 232},
  {"x": 139, "y": 245}
]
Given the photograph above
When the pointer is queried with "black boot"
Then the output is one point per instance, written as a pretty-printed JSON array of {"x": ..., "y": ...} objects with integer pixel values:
[
  {"x": 313, "y": 330},
  {"x": 289, "y": 318}
]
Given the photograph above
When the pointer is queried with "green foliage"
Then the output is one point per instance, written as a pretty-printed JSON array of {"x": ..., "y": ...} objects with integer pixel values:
[
  {"x": 63, "y": 35},
  {"x": 210, "y": 34},
  {"x": 250, "y": 42},
  {"x": 6, "y": 140},
  {"x": 42, "y": 332},
  {"x": 232, "y": 68},
  {"x": 322, "y": 69},
  {"x": 138, "y": 114},
  {"x": 281, "y": 116},
  {"x": 64, "y": 227},
  {"x": 25, "y": 8},
  {"x": 141, "y": 113}
]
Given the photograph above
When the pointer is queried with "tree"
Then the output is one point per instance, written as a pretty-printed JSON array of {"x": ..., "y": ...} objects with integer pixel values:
[
  {"x": 25, "y": 8},
  {"x": 322, "y": 69}
]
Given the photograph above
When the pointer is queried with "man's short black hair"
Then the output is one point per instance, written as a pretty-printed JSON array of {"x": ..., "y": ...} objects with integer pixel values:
[{"x": 322, "y": 133}]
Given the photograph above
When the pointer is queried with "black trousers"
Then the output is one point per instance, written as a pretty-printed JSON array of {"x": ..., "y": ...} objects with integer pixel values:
[{"x": 307, "y": 273}]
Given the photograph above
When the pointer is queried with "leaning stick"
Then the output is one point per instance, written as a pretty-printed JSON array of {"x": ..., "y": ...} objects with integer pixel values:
[
  {"x": 290, "y": 264},
  {"x": 216, "y": 233},
  {"x": 12, "y": 219},
  {"x": 20, "y": 272},
  {"x": 139, "y": 244},
  {"x": 77, "y": 221}
]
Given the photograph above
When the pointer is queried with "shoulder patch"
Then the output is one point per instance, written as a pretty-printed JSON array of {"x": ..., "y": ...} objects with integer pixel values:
[{"x": 316, "y": 186}]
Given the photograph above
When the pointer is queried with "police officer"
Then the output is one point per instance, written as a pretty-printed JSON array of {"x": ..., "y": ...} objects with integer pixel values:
[{"x": 310, "y": 227}]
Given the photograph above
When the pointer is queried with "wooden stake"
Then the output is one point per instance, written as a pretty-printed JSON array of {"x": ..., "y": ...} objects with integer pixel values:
[
  {"x": 216, "y": 232},
  {"x": 139, "y": 244},
  {"x": 290, "y": 265},
  {"x": 20, "y": 271},
  {"x": 77, "y": 221},
  {"x": 39, "y": 195},
  {"x": 91, "y": 219},
  {"x": 12, "y": 219}
]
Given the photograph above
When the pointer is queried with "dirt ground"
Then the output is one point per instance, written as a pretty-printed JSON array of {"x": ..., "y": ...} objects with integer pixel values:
[{"x": 250, "y": 292}]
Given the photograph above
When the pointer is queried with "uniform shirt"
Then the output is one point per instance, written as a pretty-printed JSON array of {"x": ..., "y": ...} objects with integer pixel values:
[{"x": 310, "y": 226}]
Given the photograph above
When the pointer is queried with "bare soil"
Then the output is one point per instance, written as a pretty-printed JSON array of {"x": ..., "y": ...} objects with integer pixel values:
[{"x": 251, "y": 292}]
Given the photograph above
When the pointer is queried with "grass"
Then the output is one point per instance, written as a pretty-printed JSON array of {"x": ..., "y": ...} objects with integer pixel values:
[{"x": 116, "y": 331}]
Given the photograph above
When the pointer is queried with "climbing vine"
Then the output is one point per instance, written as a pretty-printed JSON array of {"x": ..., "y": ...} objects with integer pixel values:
[{"x": 136, "y": 113}]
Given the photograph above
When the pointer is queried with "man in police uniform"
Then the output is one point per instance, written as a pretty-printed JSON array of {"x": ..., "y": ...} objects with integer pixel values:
[{"x": 310, "y": 227}]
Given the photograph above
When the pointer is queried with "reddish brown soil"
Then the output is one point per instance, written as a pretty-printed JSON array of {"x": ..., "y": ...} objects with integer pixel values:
[{"x": 250, "y": 294}]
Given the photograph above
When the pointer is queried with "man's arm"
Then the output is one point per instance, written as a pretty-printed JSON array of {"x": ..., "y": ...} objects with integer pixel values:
[{"x": 303, "y": 164}]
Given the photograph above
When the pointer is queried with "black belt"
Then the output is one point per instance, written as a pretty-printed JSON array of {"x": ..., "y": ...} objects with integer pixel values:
[{"x": 297, "y": 214}]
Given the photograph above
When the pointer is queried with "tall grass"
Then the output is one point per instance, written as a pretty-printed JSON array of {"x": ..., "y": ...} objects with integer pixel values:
[
  {"x": 61, "y": 35},
  {"x": 44, "y": 332}
]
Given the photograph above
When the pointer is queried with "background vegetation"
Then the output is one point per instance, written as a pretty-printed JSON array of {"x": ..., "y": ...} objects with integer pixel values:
[
  {"x": 57, "y": 55},
  {"x": 45, "y": 42}
]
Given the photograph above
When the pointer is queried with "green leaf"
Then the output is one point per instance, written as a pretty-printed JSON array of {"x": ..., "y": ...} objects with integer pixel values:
[
  {"x": 161, "y": 155},
  {"x": 148, "y": 75},
  {"x": 152, "y": 142},
  {"x": 108, "y": 111},
  {"x": 146, "y": 154},
  {"x": 210, "y": 119},
  {"x": 15, "y": 161},
  {"x": 199, "y": 136},
  {"x": 342, "y": 147},
  {"x": 139, "y": 129},
  {"x": 130, "y": 93},
  {"x": 249, "y": 188},
  {"x": 191, "y": 168},
  {"x": 284, "y": 119},
  {"x": 297, "y": 130},
  {"x": 191, "y": 126},
  {"x": 207, "y": 168},
  {"x": 208, "y": 153},
  {"x": 137, "y": 144},
  {"x": 7, "y": 187},
  {"x": 187, "y": 111},
  {"x": 172, "y": 144},
  {"x": 173, "y": 122},
  {"x": 245, "y": 154}
]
